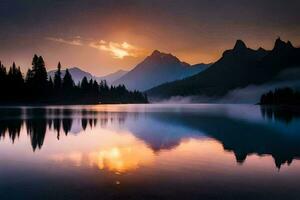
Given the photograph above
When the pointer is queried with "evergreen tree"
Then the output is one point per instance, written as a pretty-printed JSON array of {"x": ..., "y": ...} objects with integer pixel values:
[
  {"x": 68, "y": 83},
  {"x": 51, "y": 84},
  {"x": 3, "y": 75},
  {"x": 2, "y": 72},
  {"x": 281, "y": 96},
  {"x": 15, "y": 76},
  {"x": 41, "y": 75},
  {"x": 15, "y": 83},
  {"x": 29, "y": 77},
  {"x": 37, "y": 78},
  {"x": 3, "y": 83},
  {"x": 57, "y": 78},
  {"x": 84, "y": 84}
]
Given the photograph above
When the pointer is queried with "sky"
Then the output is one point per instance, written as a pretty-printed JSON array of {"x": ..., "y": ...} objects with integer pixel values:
[{"x": 103, "y": 36}]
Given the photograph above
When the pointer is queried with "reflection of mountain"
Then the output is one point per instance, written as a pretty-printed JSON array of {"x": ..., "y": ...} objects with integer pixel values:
[
  {"x": 78, "y": 75},
  {"x": 161, "y": 133},
  {"x": 166, "y": 130},
  {"x": 242, "y": 137}
]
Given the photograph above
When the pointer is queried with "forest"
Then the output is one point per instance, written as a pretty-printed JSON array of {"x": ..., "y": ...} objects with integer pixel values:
[
  {"x": 37, "y": 88},
  {"x": 281, "y": 96}
]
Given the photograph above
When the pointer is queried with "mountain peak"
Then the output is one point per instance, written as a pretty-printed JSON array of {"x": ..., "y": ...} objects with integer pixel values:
[
  {"x": 290, "y": 44},
  {"x": 75, "y": 69},
  {"x": 156, "y": 53},
  {"x": 239, "y": 45},
  {"x": 159, "y": 56},
  {"x": 279, "y": 44}
]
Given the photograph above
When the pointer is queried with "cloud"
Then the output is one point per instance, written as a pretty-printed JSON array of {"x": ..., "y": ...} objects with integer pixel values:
[
  {"x": 117, "y": 50},
  {"x": 76, "y": 41}
]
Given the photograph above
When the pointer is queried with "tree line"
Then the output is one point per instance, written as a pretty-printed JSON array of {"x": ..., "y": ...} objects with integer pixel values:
[
  {"x": 281, "y": 96},
  {"x": 37, "y": 87}
]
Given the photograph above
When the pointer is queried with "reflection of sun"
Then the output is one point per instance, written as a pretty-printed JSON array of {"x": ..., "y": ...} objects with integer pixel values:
[
  {"x": 121, "y": 159},
  {"x": 115, "y": 152}
]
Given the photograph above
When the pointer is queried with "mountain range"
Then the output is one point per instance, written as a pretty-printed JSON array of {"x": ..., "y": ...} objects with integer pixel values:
[
  {"x": 78, "y": 74},
  {"x": 163, "y": 75},
  {"x": 237, "y": 68},
  {"x": 156, "y": 69}
]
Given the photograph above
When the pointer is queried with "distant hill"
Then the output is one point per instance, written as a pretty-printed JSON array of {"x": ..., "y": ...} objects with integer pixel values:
[
  {"x": 78, "y": 74},
  {"x": 156, "y": 69},
  {"x": 110, "y": 78},
  {"x": 237, "y": 68}
]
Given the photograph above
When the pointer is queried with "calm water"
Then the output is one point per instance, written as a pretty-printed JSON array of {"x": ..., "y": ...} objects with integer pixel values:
[{"x": 149, "y": 152}]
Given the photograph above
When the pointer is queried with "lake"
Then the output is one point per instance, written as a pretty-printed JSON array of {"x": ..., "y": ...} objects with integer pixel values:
[{"x": 196, "y": 151}]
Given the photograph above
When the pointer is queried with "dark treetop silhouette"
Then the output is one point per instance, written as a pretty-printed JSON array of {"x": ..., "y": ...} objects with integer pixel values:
[
  {"x": 281, "y": 96},
  {"x": 37, "y": 88}
]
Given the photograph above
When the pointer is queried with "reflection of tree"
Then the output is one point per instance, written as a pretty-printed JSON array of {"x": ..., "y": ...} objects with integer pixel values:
[
  {"x": 12, "y": 127},
  {"x": 67, "y": 125},
  {"x": 36, "y": 128},
  {"x": 84, "y": 123},
  {"x": 279, "y": 113},
  {"x": 11, "y": 124},
  {"x": 39, "y": 120},
  {"x": 91, "y": 122},
  {"x": 95, "y": 122},
  {"x": 56, "y": 126}
]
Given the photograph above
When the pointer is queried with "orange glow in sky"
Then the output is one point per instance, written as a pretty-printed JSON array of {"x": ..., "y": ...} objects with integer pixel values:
[{"x": 117, "y": 50}]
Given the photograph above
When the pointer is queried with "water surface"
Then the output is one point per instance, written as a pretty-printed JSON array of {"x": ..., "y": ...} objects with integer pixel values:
[{"x": 149, "y": 152}]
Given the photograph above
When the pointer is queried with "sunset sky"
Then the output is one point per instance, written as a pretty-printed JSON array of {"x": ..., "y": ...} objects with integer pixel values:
[{"x": 106, "y": 35}]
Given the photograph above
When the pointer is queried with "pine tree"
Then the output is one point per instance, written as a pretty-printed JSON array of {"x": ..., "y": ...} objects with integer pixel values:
[
  {"x": 37, "y": 78},
  {"x": 51, "y": 84},
  {"x": 41, "y": 73},
  {"x": 68, "y": 83},
  {"x": 2, "y": 72},
  {"x": 84, "y": 84},
  {"x": 15, "y": 83},
  {"x": 15, "y": 76},
  {"x": 57, "y": 78},
  {"x": 3, "y": 82}
]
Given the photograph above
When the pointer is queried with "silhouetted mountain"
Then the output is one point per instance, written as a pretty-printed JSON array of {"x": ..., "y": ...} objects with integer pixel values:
[
  {"x": 237, "y": 68},
  {"x": 78, "y": 74},
  {"x": 156, "y": 69},
  {"x": 110, "y": 78}
]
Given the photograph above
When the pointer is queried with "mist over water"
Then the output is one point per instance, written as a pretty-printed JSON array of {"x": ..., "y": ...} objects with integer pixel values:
[{"x": 248, "y": 95}]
